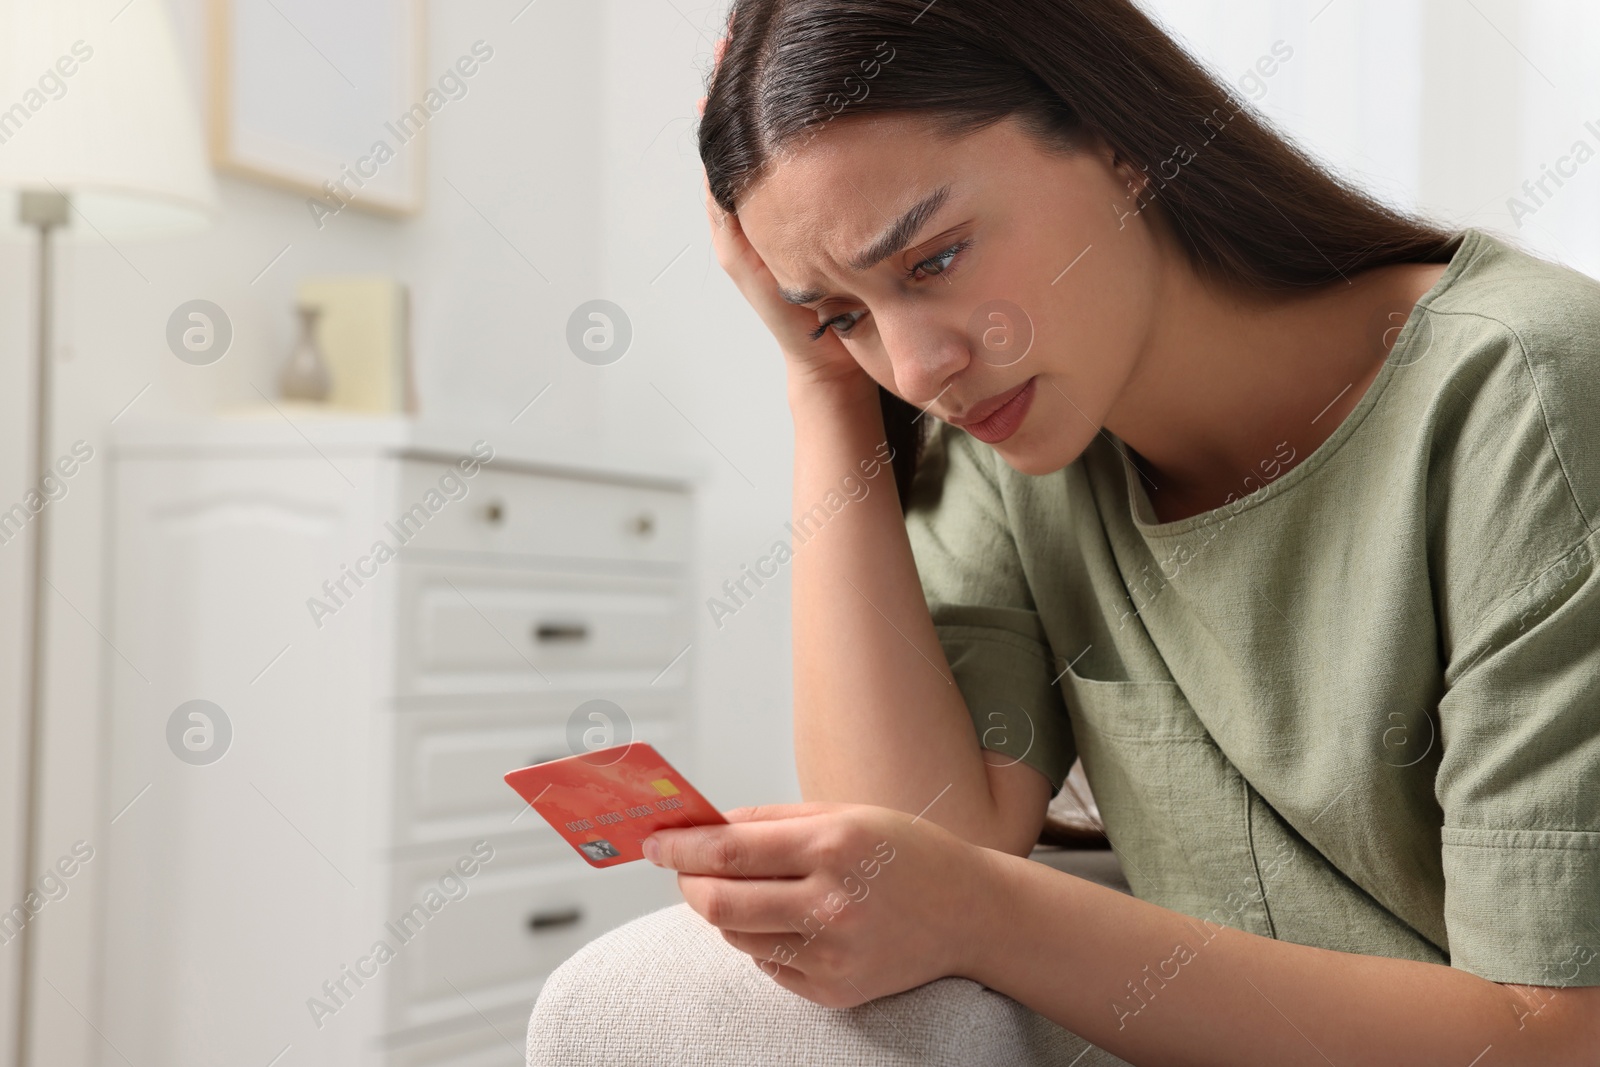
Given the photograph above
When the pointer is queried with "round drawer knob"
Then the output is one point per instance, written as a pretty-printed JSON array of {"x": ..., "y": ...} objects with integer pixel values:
[
  {"x": 494, "y": 512},
  {"x": 642, "y": 524}
]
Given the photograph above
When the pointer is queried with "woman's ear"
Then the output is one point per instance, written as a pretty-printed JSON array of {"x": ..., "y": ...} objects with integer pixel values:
[{"x": 1130, "y": 175}]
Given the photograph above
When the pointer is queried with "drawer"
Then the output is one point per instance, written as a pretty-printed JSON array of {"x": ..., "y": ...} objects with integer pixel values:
[
  {"x": 497, "y": 1043},
  {"x": 472, "y": 631},
  {"x": 451, "y": 765},
  {"x": 510, "y": 512},
  {"x": 513, "y": 922}
]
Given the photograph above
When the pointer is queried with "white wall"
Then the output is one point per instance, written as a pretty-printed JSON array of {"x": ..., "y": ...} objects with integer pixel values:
[
  {"x": 577, "y": 142},
  {"x": 704, "y": 378},
  {"x": 1442, "y": 107}
]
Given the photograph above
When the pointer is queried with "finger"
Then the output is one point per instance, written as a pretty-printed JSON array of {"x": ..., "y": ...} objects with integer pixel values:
[
  {"x": 791, "y": 978},
  {"x": 740, "y": 259},
  {"x": 770, "y": 951},
  {"x": 784, "y": 963},
  {"x": 776, "y": 849},
  {"x": 768, "y": 812},
  {"x": 768, "y": 906},
  {"x": 714, "y": 212},
  {"x": 802, "y": 984},
  {"x": 796, "y": 982}
]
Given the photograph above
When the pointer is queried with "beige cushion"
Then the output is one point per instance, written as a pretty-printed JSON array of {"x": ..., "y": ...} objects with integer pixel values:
[{"x": 667, "y": 989}]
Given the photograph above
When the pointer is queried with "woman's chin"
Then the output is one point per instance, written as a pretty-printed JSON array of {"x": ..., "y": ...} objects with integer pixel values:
[
  {"x": 1028, "y": 451},
  {"x": 1026, "y": 456}
]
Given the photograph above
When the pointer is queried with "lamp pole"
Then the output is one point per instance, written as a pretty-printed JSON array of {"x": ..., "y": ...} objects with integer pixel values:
[{"x": 45, "y": 211}]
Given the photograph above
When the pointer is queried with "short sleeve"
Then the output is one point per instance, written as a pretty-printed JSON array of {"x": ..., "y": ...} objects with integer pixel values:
[
  {"x": 982, "y": 607},
  {"x": 1519, "y": 782}
]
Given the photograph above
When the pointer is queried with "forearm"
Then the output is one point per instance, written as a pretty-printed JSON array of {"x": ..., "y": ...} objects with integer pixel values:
[
  {"x": 878, "y": 717},
  {"x": 1155, "y": 986}
]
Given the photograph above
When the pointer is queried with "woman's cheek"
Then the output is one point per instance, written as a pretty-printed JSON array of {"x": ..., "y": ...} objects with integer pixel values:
[{"x": 872, "y": 359}]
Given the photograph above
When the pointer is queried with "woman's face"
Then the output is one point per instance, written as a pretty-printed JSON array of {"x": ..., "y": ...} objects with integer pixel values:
[{"x": 1032, "y": 274}]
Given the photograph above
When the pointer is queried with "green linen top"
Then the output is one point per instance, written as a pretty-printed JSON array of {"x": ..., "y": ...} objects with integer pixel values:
[{"x": 1357, "y": 707}]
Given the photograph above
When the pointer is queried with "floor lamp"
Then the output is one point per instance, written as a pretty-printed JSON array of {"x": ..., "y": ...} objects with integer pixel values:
[{"x": 103, "y": 145}]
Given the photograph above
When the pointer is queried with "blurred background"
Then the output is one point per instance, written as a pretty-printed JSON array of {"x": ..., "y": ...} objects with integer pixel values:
[{"x": 330, "y": 275}]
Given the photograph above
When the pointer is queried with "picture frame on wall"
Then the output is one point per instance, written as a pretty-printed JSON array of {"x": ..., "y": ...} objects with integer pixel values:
[{"x": 328, "y": 100}]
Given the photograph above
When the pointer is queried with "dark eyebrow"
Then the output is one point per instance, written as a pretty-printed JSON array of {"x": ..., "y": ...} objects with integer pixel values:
[{"x": 892, "y": 240}]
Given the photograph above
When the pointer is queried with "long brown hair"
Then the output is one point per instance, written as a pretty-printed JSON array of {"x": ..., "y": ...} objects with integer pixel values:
[{"x": 1248, "y": 208}]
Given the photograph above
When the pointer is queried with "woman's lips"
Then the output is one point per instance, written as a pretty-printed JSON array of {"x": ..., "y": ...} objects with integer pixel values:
[{"x": 1004, "y": 420}]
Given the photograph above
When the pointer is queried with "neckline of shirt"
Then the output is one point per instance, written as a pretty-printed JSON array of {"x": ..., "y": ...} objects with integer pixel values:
[{"x": 1142, "y": 512}]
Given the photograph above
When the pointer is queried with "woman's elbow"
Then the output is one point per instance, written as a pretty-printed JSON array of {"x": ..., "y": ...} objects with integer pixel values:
[{"x": 1021, "y": 796}]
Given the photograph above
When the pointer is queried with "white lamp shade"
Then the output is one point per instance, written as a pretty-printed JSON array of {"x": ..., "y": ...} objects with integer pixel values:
[{"x": 93, "y": 103}]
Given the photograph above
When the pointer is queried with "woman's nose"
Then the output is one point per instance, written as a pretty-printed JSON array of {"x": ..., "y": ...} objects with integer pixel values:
[{"x": 923, "y": 356}]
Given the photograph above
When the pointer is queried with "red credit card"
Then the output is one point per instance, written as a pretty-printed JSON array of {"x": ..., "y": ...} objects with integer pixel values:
[{"x": 606, "y": 802}]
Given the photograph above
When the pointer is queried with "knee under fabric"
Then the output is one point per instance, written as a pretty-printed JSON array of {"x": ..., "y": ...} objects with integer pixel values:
[{"x": 667, "y": 989}]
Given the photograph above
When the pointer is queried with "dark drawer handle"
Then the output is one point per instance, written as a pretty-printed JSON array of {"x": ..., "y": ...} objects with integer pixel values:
[
  {"x": 561, "y": 631},
  {"x": 495, "y": 512},
  {"x": 540, "y": 921}
]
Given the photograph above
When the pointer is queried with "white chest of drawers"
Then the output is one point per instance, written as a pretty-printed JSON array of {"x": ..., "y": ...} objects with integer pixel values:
[{"x": 351, "y": 882}]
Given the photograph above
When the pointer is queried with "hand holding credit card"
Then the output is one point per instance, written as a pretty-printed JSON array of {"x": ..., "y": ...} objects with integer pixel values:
[{"x": 606, "y": 802}]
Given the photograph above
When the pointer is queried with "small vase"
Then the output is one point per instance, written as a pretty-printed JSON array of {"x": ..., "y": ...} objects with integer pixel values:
[{"x": 305, "y": 375}]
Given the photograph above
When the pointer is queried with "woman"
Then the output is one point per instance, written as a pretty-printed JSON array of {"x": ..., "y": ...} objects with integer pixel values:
[{"x": 1273, "y": 504}]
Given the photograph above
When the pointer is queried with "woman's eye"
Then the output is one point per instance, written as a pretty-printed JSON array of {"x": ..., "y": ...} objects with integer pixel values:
[
  {"x": 848, "y": 320},
  {"x": 936, "y": 265},
  {"x": 932, "y": 267}
]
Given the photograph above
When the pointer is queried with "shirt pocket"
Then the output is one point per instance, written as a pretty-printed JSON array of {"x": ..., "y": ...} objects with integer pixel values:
[{"x": 1174, "y": 807}]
